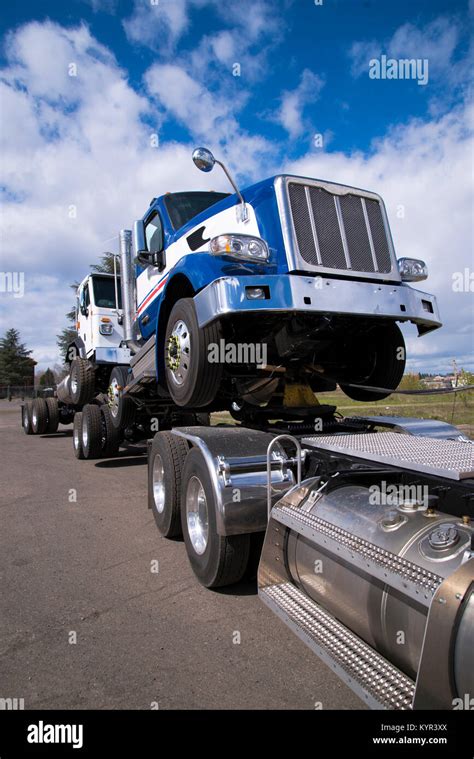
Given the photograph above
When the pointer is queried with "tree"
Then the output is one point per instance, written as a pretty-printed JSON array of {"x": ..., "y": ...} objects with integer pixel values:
[
  {"x": 465, "y": 379},
  {"x": 67, "y": 335},
  {"x": 411, "y": 381},
  {"x": 47, "y": 379},
  {"x": 15, "y": 362},
  {"x": 106, "y": 264}
]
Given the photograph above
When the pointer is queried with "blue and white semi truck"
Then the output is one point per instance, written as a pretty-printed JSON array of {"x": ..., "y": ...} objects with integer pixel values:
[{"x": 366, "y": 523}]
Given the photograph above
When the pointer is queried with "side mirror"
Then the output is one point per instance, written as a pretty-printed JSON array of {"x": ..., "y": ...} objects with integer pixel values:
[
  {"x": 143, "y": 256},
  {"x": 152, "y": 259},
  {"x": 203, "y": 159}
]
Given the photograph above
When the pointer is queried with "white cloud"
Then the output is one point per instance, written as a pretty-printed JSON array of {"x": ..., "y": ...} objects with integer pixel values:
[
  {"x": 290, "y": 114},
  {"x": 80, "y": 145},
  {"x": 435, "y": 41},
  {"x": 251, "y": 28},
  {"x": 160, "y": 25},
  {"x": 207, "y": 115},
  {"x": 211, "y": 118}
]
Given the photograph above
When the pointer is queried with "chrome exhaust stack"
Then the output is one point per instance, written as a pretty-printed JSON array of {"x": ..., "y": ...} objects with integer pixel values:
[{"x": 127, "y": 284}]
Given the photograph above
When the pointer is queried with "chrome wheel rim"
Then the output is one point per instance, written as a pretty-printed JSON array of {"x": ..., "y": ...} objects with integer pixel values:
[
  {"x": 178, "y": 352},
  {"x": 114, "y": 396},
  {"x": 34, "y": 418},
  {"x": 158, "y": 475},
  {"x": 197, "y": 516},
  {"x": 73, "y": 384},
  {"x": 75, "y": 437},
  {"x": 85, "y": 435}
]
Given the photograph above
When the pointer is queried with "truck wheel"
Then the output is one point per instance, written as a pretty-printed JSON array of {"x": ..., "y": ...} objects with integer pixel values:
[
  {"x": 110, "y": 434},
  {"x": 82, "y": 381},
  {"x": 191, "y": 378},
  {"x": 165, "y": 466},
  {"x": 91, "y": 432},
  {"x": 384, "y": 348},
  {"x": 122, "y": 408},
  {"x": 53, "y": 414},
  {"x": 77, "y": 435},
  {"x": 26, "y": 411},
  {"x": 39, "y": 416},
  {"x": 216, "y": 560}
]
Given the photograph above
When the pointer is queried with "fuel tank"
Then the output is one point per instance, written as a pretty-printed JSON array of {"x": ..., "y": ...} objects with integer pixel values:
[{"x": 389, "y": 620}]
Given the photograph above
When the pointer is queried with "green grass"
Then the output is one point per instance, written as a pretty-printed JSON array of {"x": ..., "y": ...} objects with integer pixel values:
[{"x": 455, "y": 409}]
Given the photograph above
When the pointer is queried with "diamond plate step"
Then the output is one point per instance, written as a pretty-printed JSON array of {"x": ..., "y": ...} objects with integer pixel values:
[
  {"x": 366, "y": 672},
  {"x": 393, "y": 570},
  {"x": 445, "y": 458}
]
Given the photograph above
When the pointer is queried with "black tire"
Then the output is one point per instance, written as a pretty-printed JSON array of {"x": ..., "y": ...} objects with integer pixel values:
[
  {"x": 77, "y": 435},
  {"x": 81, "y": 382},
  {"x": 200, "y": 379},
  {"x": 39, "y": 416},
  {"x": 110, "y": 434},
  {"x": 26, "y": 411},
  {"x": 91, "y": 432},
  {"x": 165, "y": 466},
  {"x": 384, "y": 347},
  {"x": 122, "y": 408},
  {"x": 224, "y": 559},
  {"x": 256, "y": 545},
  {"x": 53, "y": 414}
]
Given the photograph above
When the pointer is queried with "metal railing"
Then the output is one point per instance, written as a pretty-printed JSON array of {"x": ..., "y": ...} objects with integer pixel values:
[{"x": 297, "y": 461}]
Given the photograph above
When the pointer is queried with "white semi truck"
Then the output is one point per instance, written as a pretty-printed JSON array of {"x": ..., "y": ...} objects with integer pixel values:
[{"x": 366, "y": 523}]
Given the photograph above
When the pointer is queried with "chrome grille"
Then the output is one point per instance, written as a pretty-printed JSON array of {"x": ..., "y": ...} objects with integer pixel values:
[
  {"x": 336, "y": 231},
  {"x": 379, "y": 236},
  {"x": 302, "y": 222},
  {"x": 327, "y": 229}
]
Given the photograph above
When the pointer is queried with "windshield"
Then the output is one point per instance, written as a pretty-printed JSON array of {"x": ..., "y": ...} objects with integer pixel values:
[
  {"x": 104, "y": 292},
  {"x": 183, "y": 206}
]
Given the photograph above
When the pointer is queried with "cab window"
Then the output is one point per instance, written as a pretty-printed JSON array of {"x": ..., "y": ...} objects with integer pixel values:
[
  {"x": 154, "y": 234},
  {"x": 84, "y": 300},
  {"x": 184, "y": 206},
  {"x": 104, "y": 292}
]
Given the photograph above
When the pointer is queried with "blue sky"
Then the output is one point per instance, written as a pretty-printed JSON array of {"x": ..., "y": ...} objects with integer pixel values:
[{"x": 166, "y": 68}]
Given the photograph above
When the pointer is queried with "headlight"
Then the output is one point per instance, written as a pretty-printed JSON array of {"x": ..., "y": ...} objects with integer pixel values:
[
  {"x": 240, "y": 246},
  {"x": 106, "y": 329},
  {"x": 412, "y": 269}
]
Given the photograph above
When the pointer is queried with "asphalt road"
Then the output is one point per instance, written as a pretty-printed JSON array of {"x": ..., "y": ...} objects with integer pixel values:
[{"x": 77, "y": 544}]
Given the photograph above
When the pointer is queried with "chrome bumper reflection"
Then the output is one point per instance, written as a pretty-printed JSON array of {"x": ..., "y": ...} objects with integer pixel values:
[{"x": 287, "y": 292}]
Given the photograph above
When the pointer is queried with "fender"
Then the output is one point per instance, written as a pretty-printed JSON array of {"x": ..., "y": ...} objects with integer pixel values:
[
  {"x": 75, "y": 349},
  {"x": 194, "y": 272}
]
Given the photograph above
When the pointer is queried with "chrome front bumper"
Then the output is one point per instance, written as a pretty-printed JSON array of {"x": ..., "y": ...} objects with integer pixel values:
[{"x": 321, "y": 295}]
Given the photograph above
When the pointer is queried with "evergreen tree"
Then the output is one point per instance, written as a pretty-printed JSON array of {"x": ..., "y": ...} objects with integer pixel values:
[
  {"x": 67, "y": 335},
  {"x": 15, "y": 361},
  {"x": 47, "y": 379},
  {"x": 106, "y": 264}
]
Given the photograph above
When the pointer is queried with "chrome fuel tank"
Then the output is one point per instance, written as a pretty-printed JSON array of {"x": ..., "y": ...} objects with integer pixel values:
[{"x": 389, "y": 620}]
